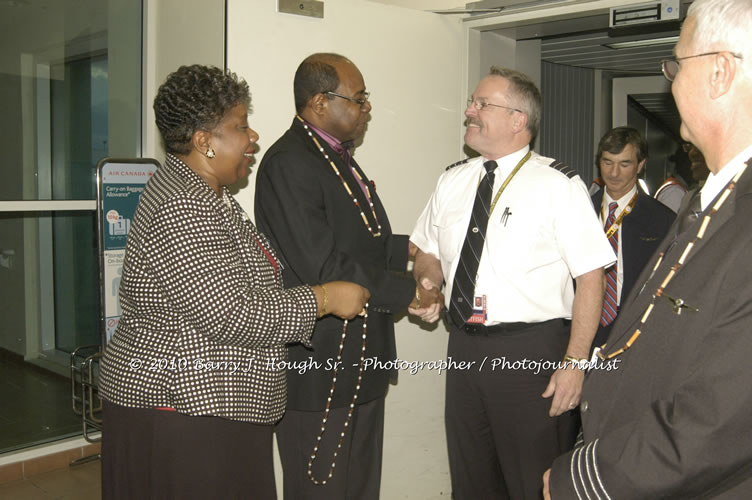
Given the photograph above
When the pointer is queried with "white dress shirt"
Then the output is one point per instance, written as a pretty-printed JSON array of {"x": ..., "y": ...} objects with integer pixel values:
[
  {"x": 717, "y": 182},
  {"x": 542, "y": 232}
]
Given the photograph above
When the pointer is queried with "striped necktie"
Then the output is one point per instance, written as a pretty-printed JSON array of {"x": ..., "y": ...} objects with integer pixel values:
[
  {"x": 610, "y": 302},
  {"x": 463, "y": 287}
]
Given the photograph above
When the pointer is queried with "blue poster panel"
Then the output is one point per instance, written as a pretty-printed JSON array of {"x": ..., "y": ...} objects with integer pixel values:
[{"x": 120, "y": 183}]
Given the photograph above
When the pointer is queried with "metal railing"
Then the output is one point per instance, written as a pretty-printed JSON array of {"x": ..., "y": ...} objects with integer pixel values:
[{"x": 84, "y": 365}]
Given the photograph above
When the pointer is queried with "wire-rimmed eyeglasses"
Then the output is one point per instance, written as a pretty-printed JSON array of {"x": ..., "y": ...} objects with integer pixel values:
[
  {"x": 481, "y": 105},
  {"x": 357, "y": 100},
  {"x": 670, "y": 67}
]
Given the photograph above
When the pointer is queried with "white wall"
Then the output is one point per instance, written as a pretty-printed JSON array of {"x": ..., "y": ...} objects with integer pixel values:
[
  {"x": 411, "y": 64},
  {"x": 177, "y": 32}
]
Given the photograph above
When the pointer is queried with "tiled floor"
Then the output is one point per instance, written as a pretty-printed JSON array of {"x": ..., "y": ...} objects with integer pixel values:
[
  {"x": 36, "y": 405},
  {"x": 81, "y": 482},
  {"x": 35, "y": 408}
]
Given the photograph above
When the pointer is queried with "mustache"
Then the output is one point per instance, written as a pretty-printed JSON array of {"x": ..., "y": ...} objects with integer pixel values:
[{"x": 471, "y": 121}]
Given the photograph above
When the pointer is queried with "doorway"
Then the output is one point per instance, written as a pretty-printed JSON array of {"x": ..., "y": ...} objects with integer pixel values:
[{"x": 588, "y": 81}]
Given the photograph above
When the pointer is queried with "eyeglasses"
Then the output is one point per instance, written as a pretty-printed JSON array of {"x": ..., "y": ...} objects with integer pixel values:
[
  {"x": 359, "y": 101},
  {"x": 670, "y": 67},
  {"x": 481, "y": 105}
]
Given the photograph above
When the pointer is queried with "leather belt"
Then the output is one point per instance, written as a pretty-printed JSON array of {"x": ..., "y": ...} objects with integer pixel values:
[{"x": 503, "y": 328}]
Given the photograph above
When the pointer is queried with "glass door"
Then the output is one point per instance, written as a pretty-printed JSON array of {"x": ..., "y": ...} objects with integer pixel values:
[{"x": 70, "y": 90}]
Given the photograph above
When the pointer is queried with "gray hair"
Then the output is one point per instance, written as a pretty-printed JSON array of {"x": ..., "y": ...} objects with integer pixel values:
[
  {"x": 524, "y": 89},
  {"x": 722, "y": 25}
]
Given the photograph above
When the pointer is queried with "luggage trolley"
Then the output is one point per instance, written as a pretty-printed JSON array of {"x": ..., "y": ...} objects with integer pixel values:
[{"x": 84, "y": 362}]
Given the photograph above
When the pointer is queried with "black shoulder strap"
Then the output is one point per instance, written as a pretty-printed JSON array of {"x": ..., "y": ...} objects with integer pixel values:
[
  {"x": 457, "y": 164},
  {"x": 563, "y": 168}
]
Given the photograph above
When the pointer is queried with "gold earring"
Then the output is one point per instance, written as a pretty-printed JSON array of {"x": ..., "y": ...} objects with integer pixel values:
[{"x": 210, "y": 153}]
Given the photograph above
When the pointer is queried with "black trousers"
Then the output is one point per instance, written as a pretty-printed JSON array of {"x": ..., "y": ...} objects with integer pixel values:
[
  {"x": 160, "y": 454},
  {"x": 357, "y": 475},
  {"x": 499, "y": 435}
]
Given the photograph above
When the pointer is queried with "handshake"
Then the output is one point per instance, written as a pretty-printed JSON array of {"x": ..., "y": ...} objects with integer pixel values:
[
  {"x": 346, "y": 300},
  {"x": 428, "y": 301}
]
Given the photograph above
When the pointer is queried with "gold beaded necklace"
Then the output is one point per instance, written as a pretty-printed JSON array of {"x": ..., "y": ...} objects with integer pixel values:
[
  {"x": 376, "y": 233},
  {"x": 329, "y": 403},
  {"x": 675, "y": 268}
]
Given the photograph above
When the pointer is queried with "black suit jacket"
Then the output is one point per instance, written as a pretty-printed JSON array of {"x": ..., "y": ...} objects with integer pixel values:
[
  {"x": 319, "y": 235},
  {"x": 673, "y": 421},
  {"x": 641, "y": 232}
]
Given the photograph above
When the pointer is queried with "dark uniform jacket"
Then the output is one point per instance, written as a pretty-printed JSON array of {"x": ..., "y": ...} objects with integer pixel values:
[
  {"x": 641, "y": 232},
  {"x": 675, "y": 419}
]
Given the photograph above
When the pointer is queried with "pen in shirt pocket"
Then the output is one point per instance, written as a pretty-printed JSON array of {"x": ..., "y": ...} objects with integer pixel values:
[{"x": 505, "y": 216}]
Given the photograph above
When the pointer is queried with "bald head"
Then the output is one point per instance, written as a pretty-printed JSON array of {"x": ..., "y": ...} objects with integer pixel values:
[{"x": 317, "y": 74}]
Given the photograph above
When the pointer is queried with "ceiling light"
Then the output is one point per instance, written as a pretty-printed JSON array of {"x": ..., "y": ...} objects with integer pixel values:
[{"x": 650, "y": 42}]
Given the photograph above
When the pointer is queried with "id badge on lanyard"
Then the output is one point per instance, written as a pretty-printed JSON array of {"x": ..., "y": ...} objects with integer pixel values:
[{"x": 480, "y": 312}]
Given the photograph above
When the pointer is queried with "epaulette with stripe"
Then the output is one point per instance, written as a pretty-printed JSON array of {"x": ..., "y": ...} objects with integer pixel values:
[
  {"x": 563, "y": 168},
  {"x": 457, "y": 164}
]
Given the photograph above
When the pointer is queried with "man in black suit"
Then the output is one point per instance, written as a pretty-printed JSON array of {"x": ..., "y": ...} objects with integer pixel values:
[
  {"x": 638, "y": 223},
  {"x": 324, "y": 218}
]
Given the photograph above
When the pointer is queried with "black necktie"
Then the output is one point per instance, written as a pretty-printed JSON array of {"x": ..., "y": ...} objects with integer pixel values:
[{"x": 463, "y": 287}]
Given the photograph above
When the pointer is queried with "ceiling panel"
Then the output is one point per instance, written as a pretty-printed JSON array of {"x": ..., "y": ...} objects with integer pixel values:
[
  {"x": 581, "y": 42},
  {"x": 590, "y": 51}
]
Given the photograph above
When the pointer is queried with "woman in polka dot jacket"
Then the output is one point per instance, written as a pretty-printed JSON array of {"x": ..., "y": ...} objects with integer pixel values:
[{"x": 194, "y": 377}]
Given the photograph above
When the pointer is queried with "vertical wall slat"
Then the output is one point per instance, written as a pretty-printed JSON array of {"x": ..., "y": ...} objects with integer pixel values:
[{"x": 566, "y": 131}]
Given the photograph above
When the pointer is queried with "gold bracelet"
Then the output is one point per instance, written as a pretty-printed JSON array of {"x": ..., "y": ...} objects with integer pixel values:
[
  {"x": 582, "y": 364},
  {"x": 326, "y": 301},
  {"x": 417, "y": 294}
]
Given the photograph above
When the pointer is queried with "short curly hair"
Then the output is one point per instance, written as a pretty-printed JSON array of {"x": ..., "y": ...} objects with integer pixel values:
[{"x": 195, "y": 98}]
